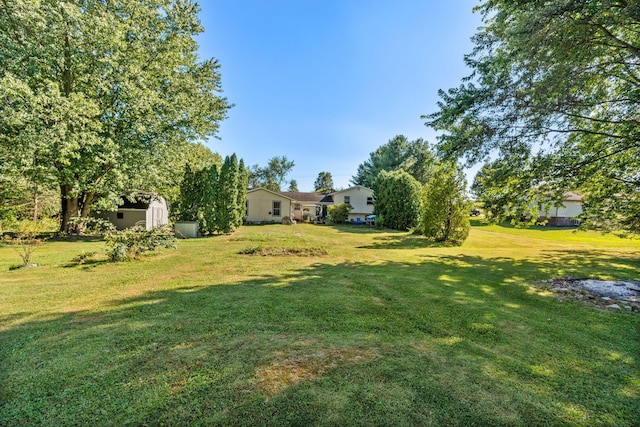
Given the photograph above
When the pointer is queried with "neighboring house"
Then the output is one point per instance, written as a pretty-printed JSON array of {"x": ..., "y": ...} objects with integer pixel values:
[
  {"x": 270, "y": 206},
  {"x": 565, "y": 215},
  {"x": 149, "y": 211},
  {"x": 359, "y": 198}
]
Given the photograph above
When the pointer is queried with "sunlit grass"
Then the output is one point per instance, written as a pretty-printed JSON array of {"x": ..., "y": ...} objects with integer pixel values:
[{"x": 383, "y": 328}]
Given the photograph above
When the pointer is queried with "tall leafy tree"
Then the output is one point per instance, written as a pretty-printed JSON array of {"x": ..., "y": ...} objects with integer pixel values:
[
  {"x": 293, "y": 185},
  {"x": 94, "y": 93},
  {"x": 557, "y": 83},
  {"x": 397, "y": 200},
  {"x": 445, "y": 205},
  {"x": 272, "y": 176},
  {"x": 324, "y": 183},
  {"x": 415, "y": 157}
]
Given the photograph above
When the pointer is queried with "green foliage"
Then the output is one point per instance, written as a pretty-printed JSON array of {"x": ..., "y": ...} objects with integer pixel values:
[
  {"x": 209, "y": 204},
  {"x": 227, "y": 208},
  {"x": 271, "y": 176},
  {"x": 92, "y": 225},
  {"x": 324, "y": 183},
  {"x": 29, "y": 235},
  {"x": 415, "y": 157},
  {"x": 339, "y": 213},
  {"x": 215, "y": 198},
  {"x": 97, "y": 94},
  {"x": 397, "y": 200},
  {"x": 554, "y": 93},
  {"x": 132, "y": 242},
  {"x": 445, "y": 206},
  {"x": 241, "y": 203},
  {"x": 293, "y": 185}
]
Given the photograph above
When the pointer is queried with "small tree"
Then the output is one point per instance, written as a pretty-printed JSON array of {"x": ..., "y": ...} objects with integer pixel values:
[
  {"x": 398, "y": 199},
  {"x": 324, "y": 183},
  {"x": 339, "y": 213},
  {"x": 445, "y": 205},
  {"x": 293, "y": 185}
]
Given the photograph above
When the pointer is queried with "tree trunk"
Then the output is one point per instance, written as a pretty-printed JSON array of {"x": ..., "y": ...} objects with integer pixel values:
[{"x": 69, "y": 209}]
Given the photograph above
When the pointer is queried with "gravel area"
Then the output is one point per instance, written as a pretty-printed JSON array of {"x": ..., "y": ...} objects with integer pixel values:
[{"x": 608, "y": 294}]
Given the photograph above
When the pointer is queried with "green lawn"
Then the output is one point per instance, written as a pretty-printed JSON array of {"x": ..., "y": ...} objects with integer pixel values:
[{"x": 366, "y": 327}]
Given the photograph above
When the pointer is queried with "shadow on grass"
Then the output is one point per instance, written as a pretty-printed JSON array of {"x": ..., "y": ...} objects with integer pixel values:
[
  {"x": 456, "y": 340},
  {"x": 404, "y": 241}
]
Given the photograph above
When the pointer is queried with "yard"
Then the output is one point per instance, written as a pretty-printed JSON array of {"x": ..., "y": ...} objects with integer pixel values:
[{"x": 320, "y": 325}]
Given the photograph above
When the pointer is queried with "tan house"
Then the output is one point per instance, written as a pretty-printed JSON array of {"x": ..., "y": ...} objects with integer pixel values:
[
  {"x": 565, "y": 215},
  {"x": 267, "y": 206},
  {"x": 359, "y": 198},
  {"x": 147, "y": 210}
]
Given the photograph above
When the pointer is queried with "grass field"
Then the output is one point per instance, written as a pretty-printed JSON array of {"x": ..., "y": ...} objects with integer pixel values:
[{"x": 319, "y": 325}]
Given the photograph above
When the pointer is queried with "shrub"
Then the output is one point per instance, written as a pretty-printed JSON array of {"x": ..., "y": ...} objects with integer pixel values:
[
  {"x": 445, "y": 206},
  {"x": 130, "y": 243},
  {"x": 398, "y": 199},
  {"x": 339, "y": 213}
]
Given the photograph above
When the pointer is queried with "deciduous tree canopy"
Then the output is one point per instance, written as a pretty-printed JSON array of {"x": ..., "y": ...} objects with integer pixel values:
[
  {"x": 555, "y": 88},
  {"x": 96, "y": 94}
]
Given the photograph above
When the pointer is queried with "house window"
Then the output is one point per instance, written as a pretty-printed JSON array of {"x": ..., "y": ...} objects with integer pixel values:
[
  {"x": 347, "y": 200},
  {"x": 297, "y": 206},
  {"x": 369, "y": 200},
  {"x": 120, "y": 215},
  {"x": 276, "y": 208}
]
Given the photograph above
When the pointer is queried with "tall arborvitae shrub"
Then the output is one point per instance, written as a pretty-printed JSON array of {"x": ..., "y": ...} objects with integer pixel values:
[
  {"x": 216, "y": 198},
  {"x": 187, "y": 207},
  {"x": 209, "y": 207},
  {"x": 243, "y": 183},
  {"x": 227, "y": 206}
]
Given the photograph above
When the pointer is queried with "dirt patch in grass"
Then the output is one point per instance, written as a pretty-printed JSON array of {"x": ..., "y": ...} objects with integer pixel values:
[
  {"x": 284, "y": 251},
  {"x": 605, "y": 294},
  {"x": 286, "y": 371}
]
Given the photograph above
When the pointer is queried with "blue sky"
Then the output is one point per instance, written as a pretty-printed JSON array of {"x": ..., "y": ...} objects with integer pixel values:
[{"x": 326, "y": 82}]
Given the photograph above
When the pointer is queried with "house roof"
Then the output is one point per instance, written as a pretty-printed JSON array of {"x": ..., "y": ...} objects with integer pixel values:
[
  {"x": 351, "y": 188},
  {"x": 570, "y": 196},
  {"x": 272, "y": 192},
  {"x": 304, "y": 197}
]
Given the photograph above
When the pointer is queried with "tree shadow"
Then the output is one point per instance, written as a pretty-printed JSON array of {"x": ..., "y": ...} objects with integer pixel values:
[
  {"x": 405, "y": 241},
  {"x": 454, "y": 340}
]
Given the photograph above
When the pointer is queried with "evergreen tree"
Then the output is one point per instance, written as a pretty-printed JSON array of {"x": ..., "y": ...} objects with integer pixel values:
[
  {"x": 227, "y": 201},
  {"x": 397, "y": 200},
  {"x": 243, "y": 183},
  {"x": 209, "y": 179}
]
